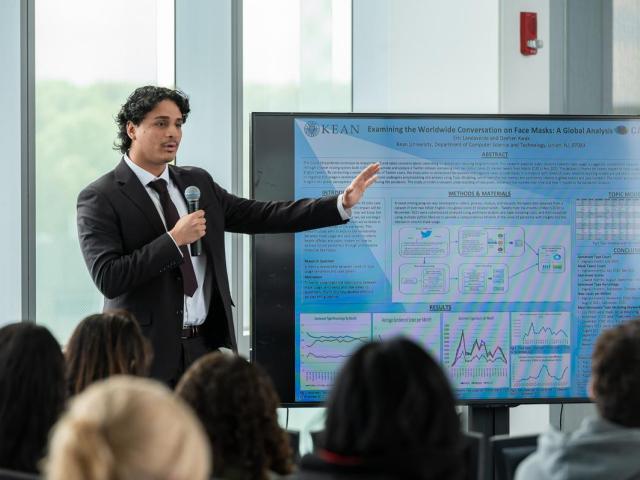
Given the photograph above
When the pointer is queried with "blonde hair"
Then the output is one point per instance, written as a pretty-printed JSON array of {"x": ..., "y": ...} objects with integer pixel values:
[{"x": 127, "y": 428}]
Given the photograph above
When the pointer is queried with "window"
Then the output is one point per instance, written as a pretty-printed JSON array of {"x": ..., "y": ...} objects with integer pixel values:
[
  {"x": 11, "y": 90},
  {"x": 89, "y": 57}
]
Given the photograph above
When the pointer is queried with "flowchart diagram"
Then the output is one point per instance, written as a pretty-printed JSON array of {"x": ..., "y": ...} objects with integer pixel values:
[{"x": 476, "y": 263}]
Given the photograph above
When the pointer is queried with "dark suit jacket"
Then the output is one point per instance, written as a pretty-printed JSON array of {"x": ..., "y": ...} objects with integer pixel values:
[{"x": 135, "y": 263}]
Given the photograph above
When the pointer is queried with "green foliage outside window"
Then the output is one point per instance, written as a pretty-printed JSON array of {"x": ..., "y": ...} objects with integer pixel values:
[{"x": 75, "y": 131}]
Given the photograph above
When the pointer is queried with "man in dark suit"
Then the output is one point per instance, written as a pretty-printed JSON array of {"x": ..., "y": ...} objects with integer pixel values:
[{"x": 134, "y": 233}]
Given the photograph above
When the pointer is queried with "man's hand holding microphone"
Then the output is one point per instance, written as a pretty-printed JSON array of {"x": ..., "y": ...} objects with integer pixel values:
[{"x": 190, "y": 228}]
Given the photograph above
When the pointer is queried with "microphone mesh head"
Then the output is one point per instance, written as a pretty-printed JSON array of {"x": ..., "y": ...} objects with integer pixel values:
[{"x": 192, "y": 194}]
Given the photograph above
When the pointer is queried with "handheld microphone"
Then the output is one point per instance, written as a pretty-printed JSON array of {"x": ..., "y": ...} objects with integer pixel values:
[{"x": 192, "y": 195}]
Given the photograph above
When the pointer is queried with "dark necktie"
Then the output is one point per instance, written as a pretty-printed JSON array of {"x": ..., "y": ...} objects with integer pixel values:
[{"x": 171, "y": 217}]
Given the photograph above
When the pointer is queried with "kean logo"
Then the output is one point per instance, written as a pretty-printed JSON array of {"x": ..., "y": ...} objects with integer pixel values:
[{"x": 311, "y": 129}]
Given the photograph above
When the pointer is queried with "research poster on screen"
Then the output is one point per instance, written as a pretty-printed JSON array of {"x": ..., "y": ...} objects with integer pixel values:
[{"x": 503, "y": 246}]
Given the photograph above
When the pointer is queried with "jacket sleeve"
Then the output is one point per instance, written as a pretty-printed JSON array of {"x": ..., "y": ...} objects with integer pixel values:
[
  {"x": 243, "y": 215},
  {"x": 113, "y": 271}
]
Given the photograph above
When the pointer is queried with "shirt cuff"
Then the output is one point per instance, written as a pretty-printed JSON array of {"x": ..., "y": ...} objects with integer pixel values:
[
  {"x": 345, "y": 213},
  {"x": 174, "y": 241}
]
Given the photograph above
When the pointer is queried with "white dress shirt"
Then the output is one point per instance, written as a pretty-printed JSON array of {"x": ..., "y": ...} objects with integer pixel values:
[{"x": 196, "y": 308}]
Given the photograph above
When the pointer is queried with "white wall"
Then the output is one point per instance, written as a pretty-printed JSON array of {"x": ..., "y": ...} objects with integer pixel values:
[
  {"x": 448, "y": 57},
  {"x": 10, "y": 139},
  {"x": 203, "y": 72},
  {"x": 524, "y": 80},
  {"x": 425, "y": 56}
]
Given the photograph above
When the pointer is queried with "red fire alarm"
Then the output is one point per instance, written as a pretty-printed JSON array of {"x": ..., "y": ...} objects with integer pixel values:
[{"x": 529, "y": 42}]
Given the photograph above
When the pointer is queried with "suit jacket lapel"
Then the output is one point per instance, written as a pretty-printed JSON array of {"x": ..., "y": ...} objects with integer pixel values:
[
  {"x": 180, "y": 178},
  {"x": 136, "y": 192},
  {"x": 183, "y": 179}
]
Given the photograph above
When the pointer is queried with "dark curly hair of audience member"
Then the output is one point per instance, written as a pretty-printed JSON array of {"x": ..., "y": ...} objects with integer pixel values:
[
  {"x": 237, "y": 404},
  {"x": 142, "y": 101},
  {"x": 32, "y": 393},
  {"x": 615, "y": 378},
  {"x": 392, "y": 406},
  {"x": 106, "y": 344}
]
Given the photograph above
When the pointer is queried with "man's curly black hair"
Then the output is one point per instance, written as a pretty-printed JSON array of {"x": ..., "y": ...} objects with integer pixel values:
[
  {"x": 237, "y": 405},
  {"x": 140, "y": 102}
]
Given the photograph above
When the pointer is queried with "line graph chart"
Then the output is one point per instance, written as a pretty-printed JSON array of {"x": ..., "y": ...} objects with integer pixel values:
[
  {"x": 541, "y": 329},
  {"x": 318, "y": 339},
  {"x": 313, "y": 355},
  {"x": 544, "y": 373},
  {"x": 541, "y": 371},
  {"x": 326, "y": 341},
  {"x": 423, "y": 328},
  {"x": 476, "y": 349}
]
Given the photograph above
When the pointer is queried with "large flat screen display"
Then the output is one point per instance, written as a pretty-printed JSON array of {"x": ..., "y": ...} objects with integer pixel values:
[{"x": 502, "y": 244}]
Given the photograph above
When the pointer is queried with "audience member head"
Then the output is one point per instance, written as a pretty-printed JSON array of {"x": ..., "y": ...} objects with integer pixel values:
[
  {"x": 237, "y": 404},
  {"x": 128, "y": 428},
  {"x": 32, "y": 393},
  {"x": 392, "y": 405},
  {"x": 105, "y": 344},
  {"x": 142, "y": 101},
  {"x": 615, "y": 381}
]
